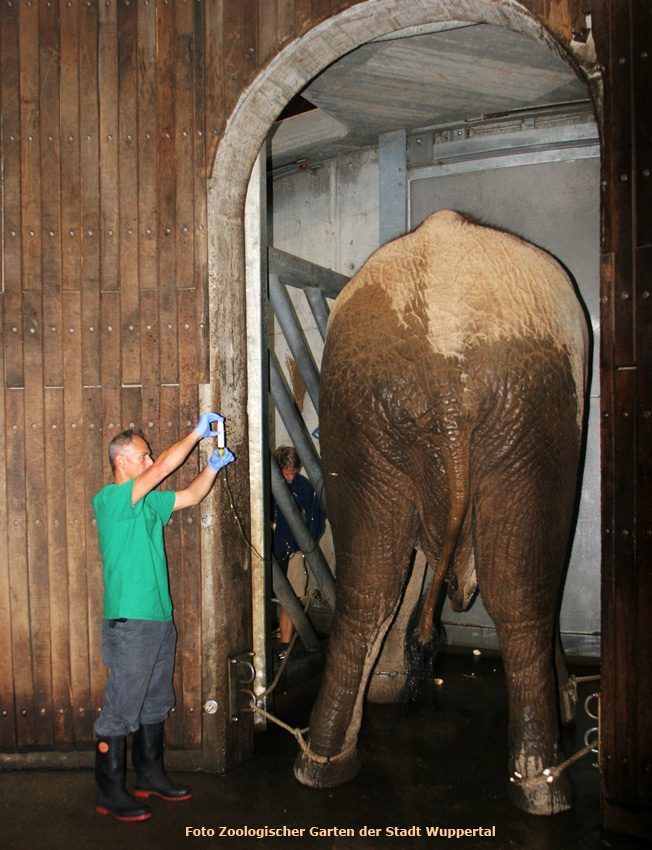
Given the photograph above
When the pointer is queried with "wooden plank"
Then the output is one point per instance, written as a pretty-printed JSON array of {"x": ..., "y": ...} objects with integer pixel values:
[
  {"x": 132, "y": 409},
  {"x": 267, "y": 23},
  {"x": 189, "y": 600},
  {"x": 250, "y": 58},
  {"x": 600, "y": 20},
  {"x": 58, "y": 564},
  {"x": 109, "y": 128},
  {"x": 188, "y": 360},
  {"x": 184, "y": 133},
  {"x": 620, "y": 131},
  {"x": 168, "y": 334},
  {"x": 214, "y": 77},
  {"x": 70, "y": 148},
  {"x": 111, "y": 383},
  {"x": 75, "y": 512},
  {"x": 284, "y": 21},
  {"x": 147, "y": 147},
  {"x": 169, "y": 435},
  {"x": 166, "y": 195},
  {"x": 37, "y": 544},
  {"x": 642, "y": 92},
  {"x": 94, "y": 481},
  {"x": 18, "y": 572},
  {"x": 151, "y": 394},
  {"x": 340, "y": 5},
  {"x": 50, "y": 194},
  {"x": 625, "y": 581},
  {"x": 30, "y": 165},
  {"x": 7, "y": 708},
  {"x": 232, "y": 54},
  {"x": 608, "y": 731},
  {"x": 200, "y": 223},
  {"x": 321, "y": 9},
  {"x": 128, "y": 199},
  {"x": 302, "y": 16},
  {"x": 89, "y": 128},
  {"x": 11, "y": 147},
  {"x": 644, "y": 531},
  {"x": 189, "y": 603}
]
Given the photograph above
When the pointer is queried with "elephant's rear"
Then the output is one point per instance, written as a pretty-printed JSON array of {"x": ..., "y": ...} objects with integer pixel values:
[
  {"x": 447, "y": 339},
  {"x": 461, "y": 291},
  {"x": 451, "y": 408}
]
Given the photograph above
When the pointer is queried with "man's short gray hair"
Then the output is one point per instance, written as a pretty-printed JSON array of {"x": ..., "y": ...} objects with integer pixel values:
[{"x": 120, "y": 442}]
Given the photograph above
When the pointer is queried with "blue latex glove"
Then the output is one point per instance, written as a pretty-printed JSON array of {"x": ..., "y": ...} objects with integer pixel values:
[
  {"x": 216, "y": 462},
  {"x": 203, "y": 427}
]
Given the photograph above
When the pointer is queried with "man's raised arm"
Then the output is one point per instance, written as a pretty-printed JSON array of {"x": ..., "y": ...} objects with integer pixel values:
[{"x": 172, "y": 457}]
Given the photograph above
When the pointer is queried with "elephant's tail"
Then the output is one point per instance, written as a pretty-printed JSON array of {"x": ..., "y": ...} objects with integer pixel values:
[{"x": 456, "y": 459}]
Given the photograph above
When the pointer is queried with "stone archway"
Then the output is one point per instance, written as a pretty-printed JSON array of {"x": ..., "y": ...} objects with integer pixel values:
[{"x": 247, "y": 128}]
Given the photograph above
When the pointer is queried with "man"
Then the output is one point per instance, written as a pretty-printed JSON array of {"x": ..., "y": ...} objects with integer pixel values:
[
  {"x": 286, "y": 548},
  {"x": 138, "y": 634}
]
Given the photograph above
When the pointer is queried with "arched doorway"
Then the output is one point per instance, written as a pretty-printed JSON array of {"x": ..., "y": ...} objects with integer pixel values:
[{"x": 252, "y": 119}]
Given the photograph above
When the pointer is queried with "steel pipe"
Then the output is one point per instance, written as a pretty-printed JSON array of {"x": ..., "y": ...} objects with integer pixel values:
[
  {"x": 319, "y": 308},
  {"x": 293, "y": 608},
  {"x": 293, "y": 334},
  {"x": 310, "y": 548},
  {"x": 296, "y": 429}
]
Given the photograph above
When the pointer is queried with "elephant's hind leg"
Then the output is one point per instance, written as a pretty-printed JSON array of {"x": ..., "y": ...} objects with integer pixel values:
[
  {"x": 521, "y": 539},
  {"x": 372, "y": 549}
]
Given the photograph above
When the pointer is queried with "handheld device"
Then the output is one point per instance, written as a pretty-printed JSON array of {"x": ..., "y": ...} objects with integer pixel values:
[{"x": 221, "y": 437}]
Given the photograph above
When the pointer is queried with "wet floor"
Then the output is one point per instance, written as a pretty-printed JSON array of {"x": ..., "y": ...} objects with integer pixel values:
[{"x": 440, "y": 772}]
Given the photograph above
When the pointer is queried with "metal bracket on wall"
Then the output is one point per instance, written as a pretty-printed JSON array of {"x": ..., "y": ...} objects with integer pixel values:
[
  {"x": 241, "y": 676},
  {"x": 455, "y": 134}
]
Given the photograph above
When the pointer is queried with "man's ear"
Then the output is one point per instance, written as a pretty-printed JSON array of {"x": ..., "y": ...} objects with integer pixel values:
[{"x": 119, "y": 461}]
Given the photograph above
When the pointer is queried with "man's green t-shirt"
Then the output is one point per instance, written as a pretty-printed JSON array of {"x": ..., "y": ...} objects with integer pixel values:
[{"x": 133, "y": 554}]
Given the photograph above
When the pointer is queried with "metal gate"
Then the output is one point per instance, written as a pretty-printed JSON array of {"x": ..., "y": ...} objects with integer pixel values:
[{"x": 317, "y": 284}]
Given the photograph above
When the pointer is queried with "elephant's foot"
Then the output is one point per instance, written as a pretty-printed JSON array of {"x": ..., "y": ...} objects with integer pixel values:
[
  {"x": 320, "y": 774},
  {"x": 539, "y": 796}
]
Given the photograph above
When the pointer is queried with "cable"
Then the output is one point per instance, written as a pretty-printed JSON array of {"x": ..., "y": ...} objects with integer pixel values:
[{"x": 239, "y": 522}]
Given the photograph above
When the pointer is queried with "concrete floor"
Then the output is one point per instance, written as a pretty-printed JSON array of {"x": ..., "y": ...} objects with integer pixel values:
[{"x": 445, "y": 768}]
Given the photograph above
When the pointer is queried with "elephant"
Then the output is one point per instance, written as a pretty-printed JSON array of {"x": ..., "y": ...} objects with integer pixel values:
[{"x": 451, "y": 416}]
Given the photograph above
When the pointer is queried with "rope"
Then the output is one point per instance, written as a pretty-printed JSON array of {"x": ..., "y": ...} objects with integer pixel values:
[
  {"x": 579, "y": 679},
  {"x": 552, "y": 773},
  {"x": 298, "y": 734}
]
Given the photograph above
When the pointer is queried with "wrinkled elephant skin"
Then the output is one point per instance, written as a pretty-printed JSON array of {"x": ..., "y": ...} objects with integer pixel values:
[{"x": 451, "y": 414}]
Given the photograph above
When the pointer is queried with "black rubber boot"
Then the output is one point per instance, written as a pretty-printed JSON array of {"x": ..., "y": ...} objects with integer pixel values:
[
  {"x": 112, "y": 799},
  {"x": 147, "y": 759}
]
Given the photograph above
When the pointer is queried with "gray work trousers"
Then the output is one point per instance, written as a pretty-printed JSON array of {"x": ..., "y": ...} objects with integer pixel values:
[{"x": 140, "y": 658}]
